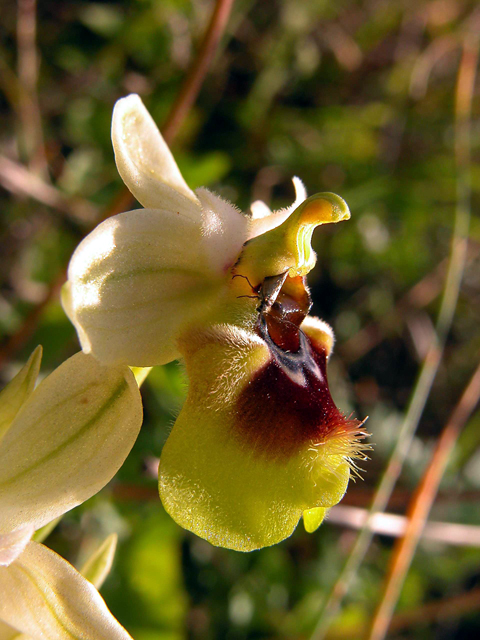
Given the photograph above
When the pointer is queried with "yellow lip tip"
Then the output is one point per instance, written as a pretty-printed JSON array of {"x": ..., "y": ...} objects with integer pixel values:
[
  {"x": 313, "y": 518},
  {"x": 323, "y": 208},
  {"x": 317, "y": 211}
]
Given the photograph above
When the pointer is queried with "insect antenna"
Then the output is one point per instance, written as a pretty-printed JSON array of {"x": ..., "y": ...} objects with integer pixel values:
[{"x": 240, "y": 275}]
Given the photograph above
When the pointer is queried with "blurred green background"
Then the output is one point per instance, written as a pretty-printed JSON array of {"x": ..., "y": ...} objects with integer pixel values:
[{"x": 353, "y": 96}]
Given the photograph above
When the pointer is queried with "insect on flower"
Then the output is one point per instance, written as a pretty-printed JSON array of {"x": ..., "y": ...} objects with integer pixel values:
[{"x": 259, "y": 440}]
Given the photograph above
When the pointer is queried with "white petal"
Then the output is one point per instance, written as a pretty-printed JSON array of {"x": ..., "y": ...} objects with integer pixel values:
[
  {"x": 134, "y": 281},
  {"x": 68, "y": 441},
  {"x": 17, "y": 391},
  {"x": 145, "y": 162},
  {"x": 262, "y": 224},
  {"x": 98, "y": 566},
  {"x": 13, "y": 543},
  {"x": 224, "y": 230},
  {"x": 260, "y": 210},
  {"x": 300, "y": 192},
  {"x": 43, "y": 596}
]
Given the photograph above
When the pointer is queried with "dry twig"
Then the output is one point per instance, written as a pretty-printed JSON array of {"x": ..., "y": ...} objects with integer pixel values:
[
  {"x": 424, "y": 496},
  {"x": 188, "y": 92},
  {"x": 18, "y": 179},
  {"x": 394, "y": 525},
  {"x": 123, "y": 200},
  {"x": 428, "y": 371},
  {"x": 433, "y": 612},
  {"x": 419, "y": 509},
  {"x": 28, "y": 64}
]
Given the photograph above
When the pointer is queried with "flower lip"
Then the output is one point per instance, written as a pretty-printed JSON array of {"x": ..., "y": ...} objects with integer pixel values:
[{"x": 288, "y": 404}]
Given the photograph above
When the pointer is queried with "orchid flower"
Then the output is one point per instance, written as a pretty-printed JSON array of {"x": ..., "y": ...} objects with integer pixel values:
[
  {"x": 259, "y": 441},
  {"x": 59, "y": 444}
]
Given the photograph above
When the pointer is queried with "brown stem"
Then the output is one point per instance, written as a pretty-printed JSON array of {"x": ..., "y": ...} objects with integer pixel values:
[
  {"x": 419, "y": 508},
  {"x": 435, "y": 352},
  {"x": 28, "y": 64},
  {"x": 198, "y": 70},
  {"x": 18, "y": 179},
  {"x": 123, "y": 200},
  {"x": 450, "y": 608},
  {"x": 28, "y": 326},
  {"x": 425, "y": 494}
]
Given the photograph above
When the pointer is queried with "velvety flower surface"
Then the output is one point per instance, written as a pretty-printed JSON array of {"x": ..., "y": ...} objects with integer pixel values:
[{"x": 259, "y": 441}]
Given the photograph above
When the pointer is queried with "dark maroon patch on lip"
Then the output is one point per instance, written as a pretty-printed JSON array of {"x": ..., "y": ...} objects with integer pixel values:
[
  {"x": 288, "y": 404},
  {"x": 278, "y": 415}
]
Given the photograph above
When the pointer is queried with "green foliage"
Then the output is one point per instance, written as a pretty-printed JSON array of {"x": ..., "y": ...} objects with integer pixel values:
[{"x": 332, "y": 92}]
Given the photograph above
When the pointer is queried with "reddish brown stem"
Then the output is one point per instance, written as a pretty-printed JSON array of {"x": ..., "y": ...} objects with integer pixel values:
[
  {"x": 424, "y": 496},
  {"x": 420, "y": 507},
  {"x": 198, "y": 70},
  {"x": 123, "y": 200}
]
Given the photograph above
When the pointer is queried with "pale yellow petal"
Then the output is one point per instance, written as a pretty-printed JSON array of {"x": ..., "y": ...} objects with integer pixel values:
[
  {"x": 134, "y": 281},
  {"x": 260, "y": 210},
  {"x": 9, "y": 633},
  {"x": 13, "y": 543},
  {"x": 98, "y": 565},
  {"x": 68, "y": 441},
  {"x": 263, "y": 219},
  {"x": 44, "y": 597},
  {"x": 145, "y": 162},
  {"x": 17, "y": 391},
  {"x": 224, "y": 230}
]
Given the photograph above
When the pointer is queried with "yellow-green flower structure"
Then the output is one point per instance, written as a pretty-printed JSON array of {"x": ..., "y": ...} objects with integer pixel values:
[{"x": 259, "y": 441}]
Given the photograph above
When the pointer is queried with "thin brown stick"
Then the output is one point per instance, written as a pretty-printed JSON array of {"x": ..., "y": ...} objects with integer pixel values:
[
  {"x": 32, "y": 137},
  {"x": 123, "y": 200},
  {"x": 395, "y": 526},
  {"x": 424, "y": 496},
  {"x": 19, "y": 180},
  {"x": 28, "y": 326},
  {"x": 444, "y": 609},
  {"x": 386, "y": 524},
  {"x": 433, "y": 612},
  {"x": 428, "y": 370},
  {"x": 419, "y": 508},
  {"x": 198, "y": 70},
  {"x": 421, "y": 294},
  {"x": 362, "y": 497}
]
